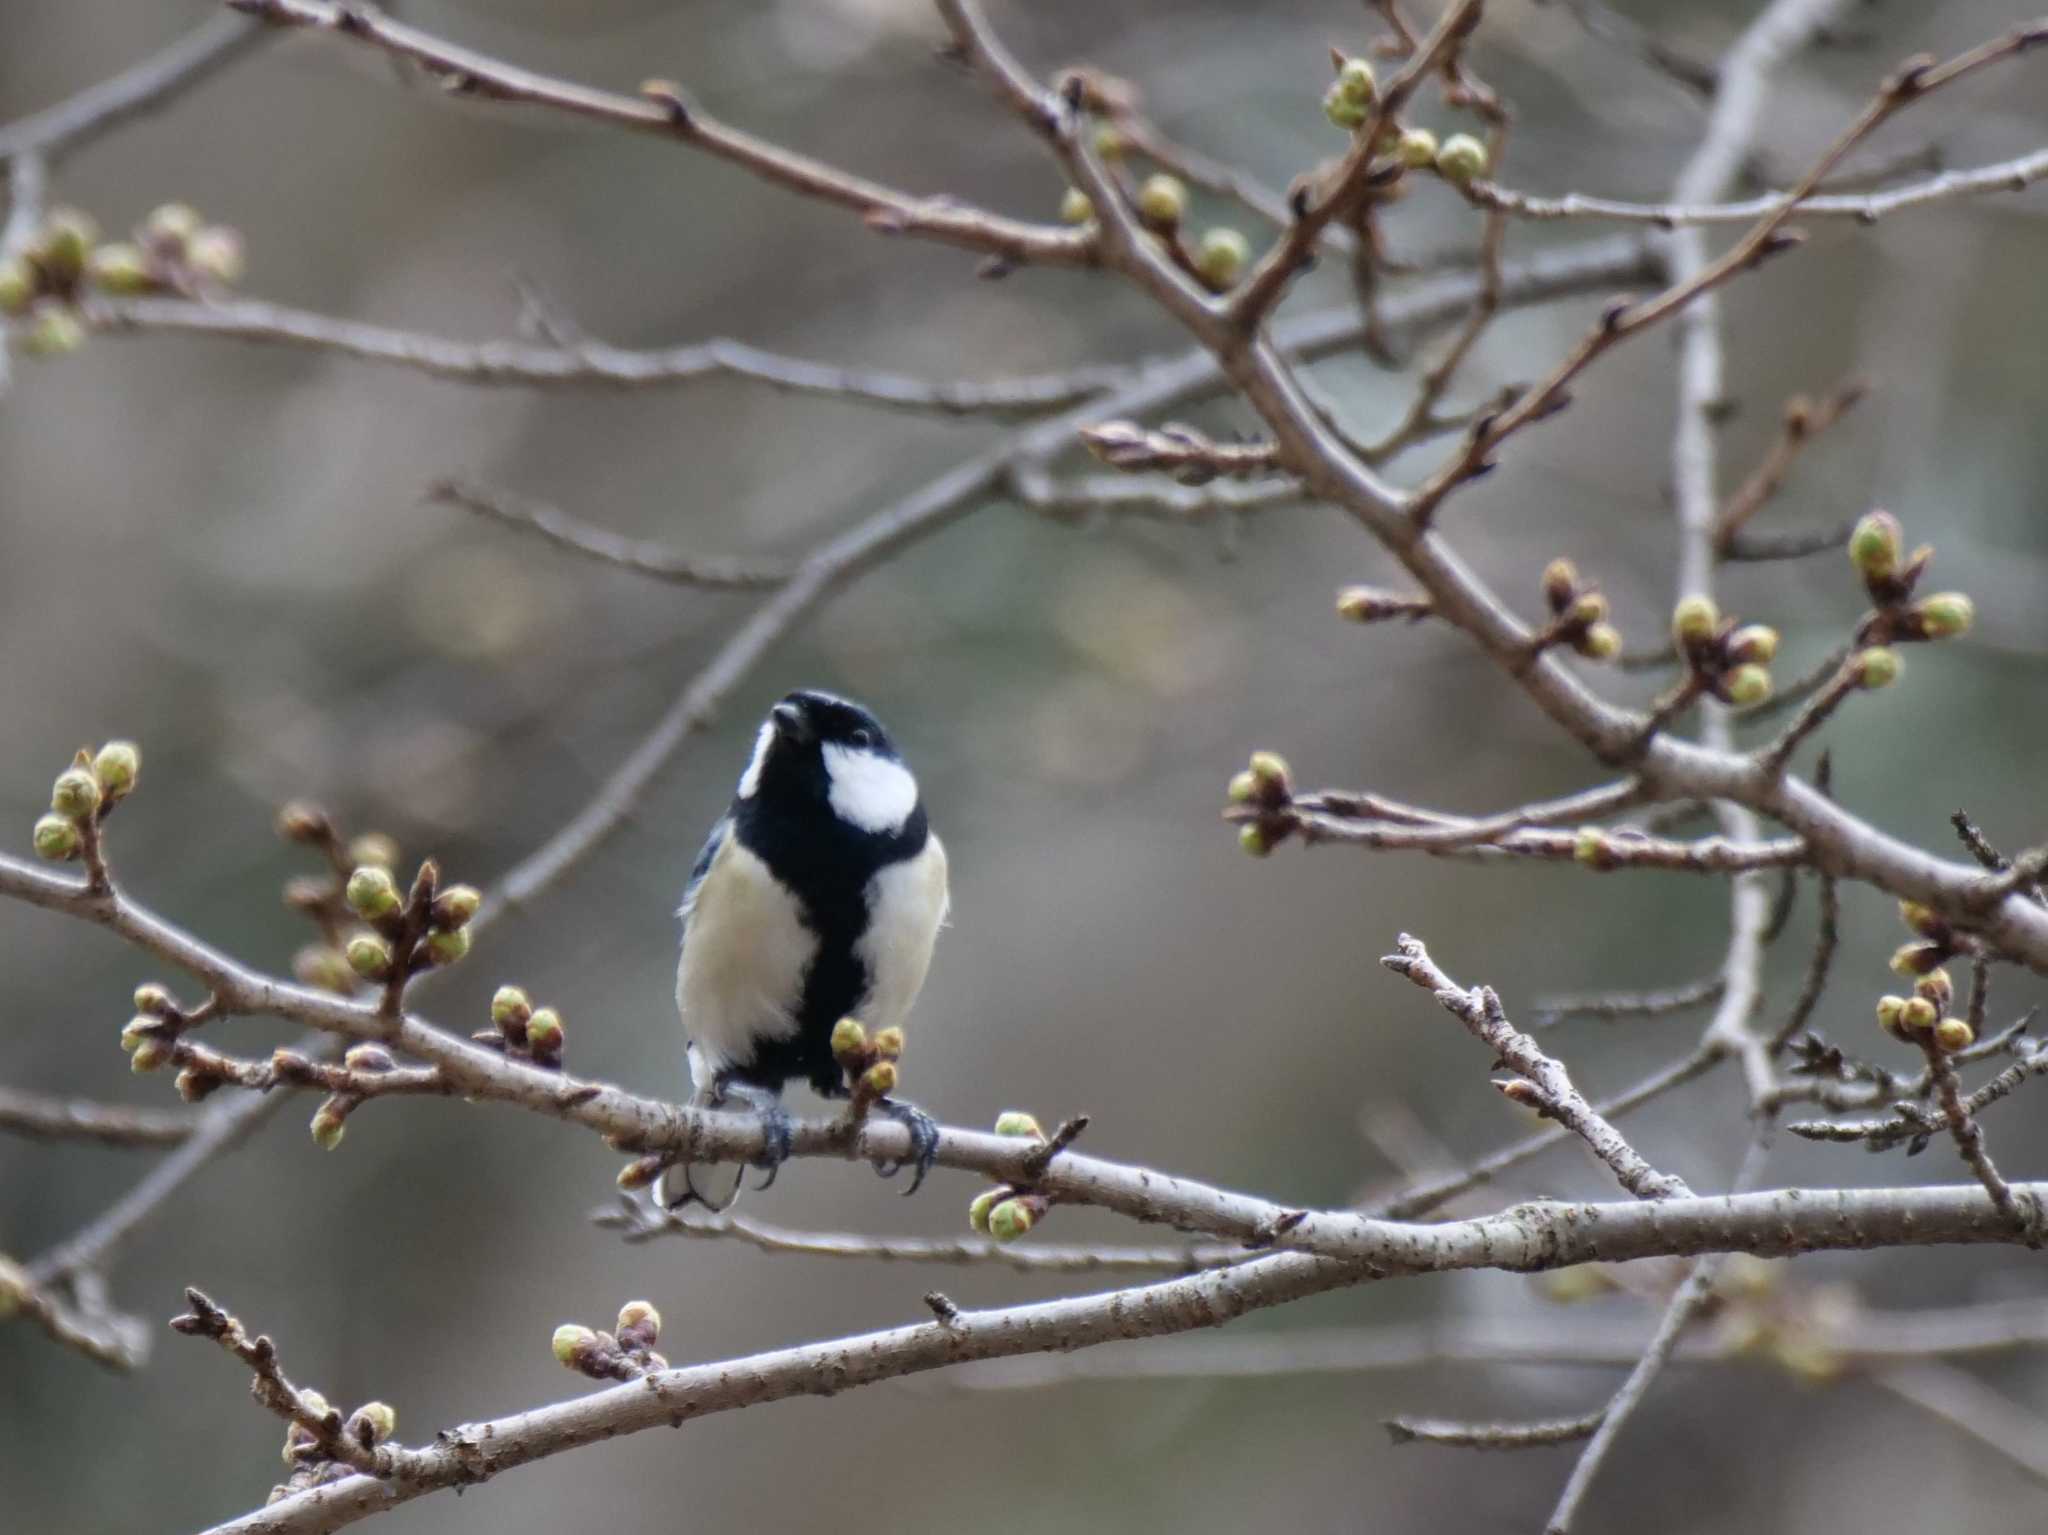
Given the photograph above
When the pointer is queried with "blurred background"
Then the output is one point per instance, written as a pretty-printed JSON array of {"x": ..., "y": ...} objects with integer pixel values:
[{"x": 223, "y": 552}]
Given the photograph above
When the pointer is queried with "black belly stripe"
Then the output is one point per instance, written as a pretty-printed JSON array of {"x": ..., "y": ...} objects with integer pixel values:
[{"x": 831, "y": 866}]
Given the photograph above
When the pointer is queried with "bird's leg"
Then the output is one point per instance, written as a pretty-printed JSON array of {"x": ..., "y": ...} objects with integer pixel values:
[
  {"x": 924, "y": 1140},
  {"x": 776, "y": 1136}
]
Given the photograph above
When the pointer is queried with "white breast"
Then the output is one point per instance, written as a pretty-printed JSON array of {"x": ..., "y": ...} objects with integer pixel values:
[
  {"x": 907, "y": 904},
  {"x": 745, "y": 951}
]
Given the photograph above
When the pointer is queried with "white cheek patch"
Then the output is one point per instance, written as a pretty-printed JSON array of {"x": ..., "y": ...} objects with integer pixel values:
[
  {"x": 750, "y": 780},
  {"x": 868, "y": 791}
]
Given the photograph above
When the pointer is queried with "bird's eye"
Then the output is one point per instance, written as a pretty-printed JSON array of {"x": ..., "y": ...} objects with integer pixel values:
[{"x": 862, "y": 736}]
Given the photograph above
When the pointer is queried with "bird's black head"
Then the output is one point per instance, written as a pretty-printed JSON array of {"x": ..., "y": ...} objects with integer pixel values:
[{"x": 819, "y": 757}]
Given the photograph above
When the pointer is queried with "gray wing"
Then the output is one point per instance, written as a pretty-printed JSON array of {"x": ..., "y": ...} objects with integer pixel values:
[{"x": 702, "y": 867}]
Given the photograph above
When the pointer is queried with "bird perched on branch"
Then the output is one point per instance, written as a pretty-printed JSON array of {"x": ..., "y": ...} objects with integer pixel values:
[{"x": 817, "y": 897}]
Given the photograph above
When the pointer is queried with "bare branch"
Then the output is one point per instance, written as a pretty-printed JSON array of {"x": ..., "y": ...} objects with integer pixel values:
[
  {"x": 2014, "y": 175},
  {"x": 1543, "y": 1083},
  {"x": 585, "y": 363},
  {"x": 662, "y": 112},
  {"x": 80, "y": 1119},
  {"x": 642, "y": 557}
]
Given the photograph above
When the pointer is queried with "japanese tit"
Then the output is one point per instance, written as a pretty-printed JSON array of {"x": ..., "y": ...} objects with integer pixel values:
[{"x": 817, "y": 897}]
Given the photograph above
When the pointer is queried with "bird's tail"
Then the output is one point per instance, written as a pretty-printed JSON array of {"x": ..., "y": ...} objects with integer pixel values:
[{"x": 715, "y": 1186}]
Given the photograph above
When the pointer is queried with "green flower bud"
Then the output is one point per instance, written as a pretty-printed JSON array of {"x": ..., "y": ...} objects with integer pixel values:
[
  {"x": 372, "y": 892},
  {"x": 1953, "y": 1034},
  {"x": 65, "y": 240},
  {"x": 572, "y": 1343},
  {"x": 1877, "y": 667},
  {"x": 1753, "y": 642},
  {"x": 369, "y": 956},
  {"x": 301, "y": 822},
  {"x": 1747, "y": 684},
  {"x": 17, "y": 285},
  {"x": 326, "y": 968},
  {"x": 1601, "y": 642},
  {"x": 120, "y": 269},
  {"x": 639, "y": 1325},
  {"x": 849, "y": 1039},
  {"x": 1254, "y": 839},
  {"x": 640, "y": 1172},
  {"x": 1890, "y": 1016},
  {"x": 1937, "y": 987},
  {"x": 510, "y": 1005},
  {"x": 173, "y": 224},
  {"x": 75, "y": 795},
  {"x": 879, "y": 1080},
  {"x": 455, "y": 906},
  {"x": 1918, "y": 1015},
  {"x": 977, "y": 1212},
  {"x": 53, "y": 332},
  {"x": 1162, "y": 201},
  {"x": 1077, "y": 207},
  {"x": 1343, "y": 111},
  {"x": 1945, "y": 615},
  {"x": 1924, "y": 920},
  {"x": 1017, "y": 1122},
  {"x": 1917, "y": 958},
  {"x": 1560, "y": 583},
  {"x": 216, "y": 252},
  {"x": 888, "y": 1043},
  {"x": 57, "y": 838},
  {"x": 1875, "y": 545},
  {"x": 1694, "y": 622},
  {"x": 1010, "y": 1219},
  {"x": 328, "y": 1128},
  {"x": 373, "y": 1423},
  {"x": 117, "y": 765},
  {"x": 154, "y": 1000},
  {"x": 1416, "y": 148},
  {"x": 137, "y": 1029},
  {"x": 1588, "y": 608},
  {"x": 1356, "y": 82},
  {"x": 447, "y": 946},
  {"x": 1222, "y": 256},
  {"x": 1461, "y": 158},
  {"x": 544, "y": 1032},
  {"x": 1243, "y": 788},
  {"x": 1593, "y": 848},
  {"x": 374, "y": 849},
  {"x": 150, "y": 1053},
  {"x": 1269, "y": 771}
]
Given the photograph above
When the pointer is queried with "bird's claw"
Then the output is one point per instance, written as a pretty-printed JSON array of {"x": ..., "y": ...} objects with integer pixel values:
[
  {"x": 776, "y": 1138},
  {"x": 924, "y": 1141}
]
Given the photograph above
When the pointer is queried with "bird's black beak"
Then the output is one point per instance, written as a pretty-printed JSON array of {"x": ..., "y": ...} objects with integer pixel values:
[{"x": 791, "y": 724}]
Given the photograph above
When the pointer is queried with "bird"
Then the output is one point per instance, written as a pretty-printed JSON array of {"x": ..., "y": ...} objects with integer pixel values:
[{"x": 818, "y": 896}]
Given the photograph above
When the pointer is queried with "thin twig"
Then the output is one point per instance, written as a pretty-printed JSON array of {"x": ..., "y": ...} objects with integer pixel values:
[{"x": 1543, "y": 1082}]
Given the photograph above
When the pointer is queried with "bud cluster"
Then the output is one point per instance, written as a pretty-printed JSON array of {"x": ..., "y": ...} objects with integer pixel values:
[
  {"x": 518, "y": 1028},
  {"x": 150, "y": 1038},
  {"x": 64, "y": 261},
  {"x": 1924, "y": 1018},
  {"x": 402, "y": 933},
  {"x": 1732, "y": 662},
  {"x": 1877, "y": 548},
  {"x": 82, "y": 798},
  {"x": 308, "y": 1453},
  {"x": 1006, "y": 1212},
  {"x": 625, "y": 1353},
  {"x": 329, "y": 900},
  {"x": 1266, "y": 789},
  {"x": 869, "y": 1061},
  {"x": 1578, "y": 614}
]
